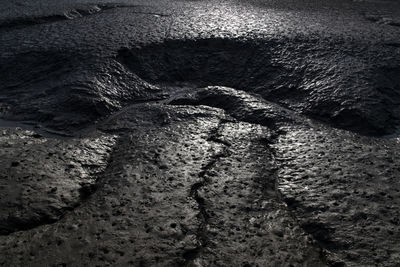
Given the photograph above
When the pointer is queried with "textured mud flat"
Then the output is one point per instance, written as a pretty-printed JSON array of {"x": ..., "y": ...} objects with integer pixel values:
[
  {"x": 161, "y": 141},
  {"x": 226, "y": 180}
]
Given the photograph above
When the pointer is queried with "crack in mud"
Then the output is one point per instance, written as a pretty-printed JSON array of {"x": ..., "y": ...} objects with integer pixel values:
[
  {"x": 202, "y": 231},
  {"x": 270, "y": 188}
]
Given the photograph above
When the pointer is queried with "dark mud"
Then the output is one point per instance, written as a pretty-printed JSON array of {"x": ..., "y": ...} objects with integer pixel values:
[
  {"x": 213, "y": 181},
  {"x": 175, "y": 193},
  {"x": 290, "y": 74},
  {"x": 66, "y": 90},
  {"x": 268, "y": 150},
  {"x": 21, "y": 22},
  {"x": 44, "y": 178},
  {"x": 344, "y": 191},
  {"x": 240, "y": 105}
]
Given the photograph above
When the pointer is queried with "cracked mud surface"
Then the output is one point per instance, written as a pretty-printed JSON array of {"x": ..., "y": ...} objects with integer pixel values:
[
  {"x": 199, "y": 133},
  {"x": 198, "y": 192}
]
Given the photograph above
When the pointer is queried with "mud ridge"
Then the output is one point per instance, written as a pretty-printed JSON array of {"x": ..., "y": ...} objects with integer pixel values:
[
  {"x": 241, "y": 105},
  {"x": 66, "y": 91},
  {"x": 292, "y": 80}
]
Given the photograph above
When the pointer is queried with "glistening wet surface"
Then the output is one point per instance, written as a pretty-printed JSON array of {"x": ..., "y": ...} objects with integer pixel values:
[{"x": 199, "y": 133}]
